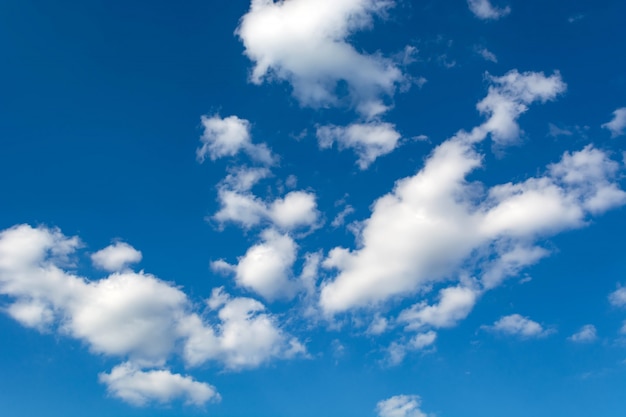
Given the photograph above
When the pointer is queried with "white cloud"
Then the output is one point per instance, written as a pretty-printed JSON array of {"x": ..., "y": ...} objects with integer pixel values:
[
  {"x": 618, "y": 297},
  {"x": 245, "y": 338},
  {"x": 617, "y": 126},
  {"x": 266, "y": 267},
  {"x": 378, "y": 326},
  {"x": 483, "y": 9},
  {"x": 304, "y": 42},
  {"x": 130, "y": 315},
  {"x": 623, "y": 329},
  {"x": 455, "y": 303},
  {"x": 517, "y": 325},
  {"x": 369, "y": 140},
  {"x": 140, "y": 388},
  {"x": 487, "y": 54},
  {"x": 586, "y": 334},
  {"x": 400, "y": 406},
  {"x": 296, "y": 209},
  {"x": 435, "y": 223},
  {"x": 228, "y": 136},
  {"x": 422, "y": 340},
  {"x": 340, "y": 218},
  {"x": 509, "y": 97},
  {"x": 116, "y": 257}
]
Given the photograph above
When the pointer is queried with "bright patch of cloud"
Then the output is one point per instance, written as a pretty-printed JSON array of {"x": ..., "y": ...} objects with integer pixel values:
[
  {"x": 131, "y": 315},
  {"x": 618, "y": 297},
  {"x": 483, "y": 9},
  {"x": 455, "y": 304},
  {"x": 617, "y": 126},
  {"x": 517, "y": 325},
  {"x": 487, "y": 54},
  {"x": 228, "y": 136},
  {"x": 304, "y": 42},
  {"x": 116, "y": 257},
  {"x": 369, "y": 140},
  {"x": 434, "y": 223},
  {"x": 586, "y": 334},
  {"x": 400, "y": 406},
  {"x": 266, "y": 267},
  {"x": 296, "y": 209},
  {"x": 141, "y": 388},
  {"x": 509, "y": 97}
]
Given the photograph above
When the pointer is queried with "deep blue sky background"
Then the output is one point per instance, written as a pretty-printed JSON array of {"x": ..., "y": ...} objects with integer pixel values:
[{"x": 100, "y": 106}]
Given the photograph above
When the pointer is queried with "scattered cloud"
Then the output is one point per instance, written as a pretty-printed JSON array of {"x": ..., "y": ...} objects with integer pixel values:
[
  {"x": 517, "y": 325},
  {"x": 555, "y": 131},
  {"x": 266, "y": 267},
  {"x": 486, "y": 54},
  {"x": 586, "y": 334},
  {"x": 305, "y": 43},
  {"x": 134, "y": 316},
  {"x": 618, "y": 297},
  {"x": 116, "y": 257},
  {"x": 140, "y": 388},
  {"x": 455, "y": 303},
  {"x": 369, "y": 140},
  {"x": 617, "y": 126},
  {"x": 483, "y": 9},
  {"x": 400, "y": 406},
  {"x": 460, "y": 223},
  {"x": 228, "y": 136}
]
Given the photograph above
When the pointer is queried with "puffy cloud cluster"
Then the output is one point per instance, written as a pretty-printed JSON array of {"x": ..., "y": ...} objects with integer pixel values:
[
  {"x": 305, "y": 42},
  {"x": 116, "y": 257},
  {"x": 228, "y": 136},
  {"x": 483, "y": 9},
  {"x": 369, "y": 140},
  {"x": 134, "y": 316},
  {"x": 517, "y": 325},
  {"x": 586, "y": 334},
  {"x": 618, "y": 297},
  {"x": 617, "y": 126},
  {"x": 137, "y": 387},
  {"x": 240, "y": 206},
  {"x": 436, "y": 224},
  {"x": 400, "y": 406}
]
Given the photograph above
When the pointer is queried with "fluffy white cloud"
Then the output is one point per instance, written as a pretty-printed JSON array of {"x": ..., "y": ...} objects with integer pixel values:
[
  {"x": 517, "y": 325},
  {"x": 295, "y": 209},
  {"x": 130, "y": 315},
  {"x": 586, "y": 334},
  {"x": 139, "y": 388},
  {"x": 227, "y": 137},
  {"x": 116, "y": 257},
  {"x": 509, "y": 97},
  {"x": 245, "y": 338},
  {"x": 400, "y": 406},
  {"x": 369, "y": 140},
  {"x": 487, "y": 54},
  {"x": 483, "y": 9},
  {"x": 617, "y": 126},
  {"x": 618, "y": 297},
  {"x": 455, "y": 303},
  {"x": 304, "y": 42},
  {"x": 435, "y": 223},
  {"x": 266, "y": 267}
]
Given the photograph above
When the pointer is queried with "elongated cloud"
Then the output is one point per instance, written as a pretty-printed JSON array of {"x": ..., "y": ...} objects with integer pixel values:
[
  {"x": 228, "y": 136},
  {"x": 617, "y": 126},
  {"x": 304, "y": 42},
  {"x": 434, "y": 224},
  {"x": 400, "y": 406},
  {"x": 134, "y": 316},
  {"x": 141, "y": 388},
  {"x": 483, "y": 9},
  {"x": 517, "y": 325},
  {"x": 369, "y": 140}
]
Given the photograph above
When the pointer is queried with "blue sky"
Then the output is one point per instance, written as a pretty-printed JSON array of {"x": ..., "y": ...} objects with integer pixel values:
[{"x": 312, "y": 207}]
